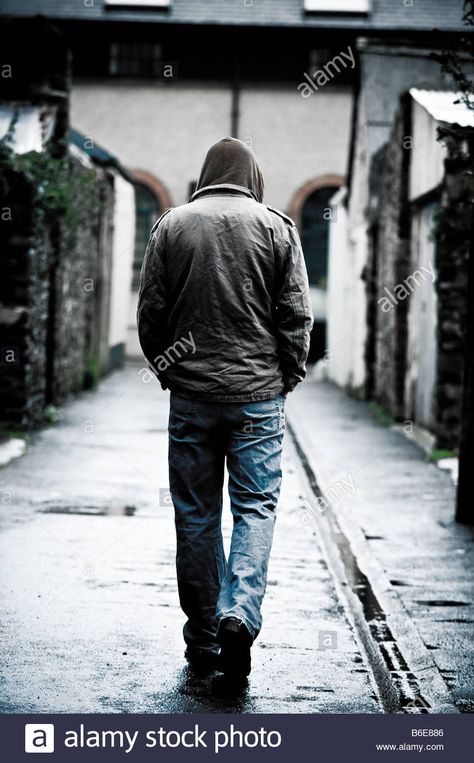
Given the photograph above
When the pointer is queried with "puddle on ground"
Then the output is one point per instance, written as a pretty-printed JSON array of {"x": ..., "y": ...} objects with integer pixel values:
[{"x": 90, "y": 510}]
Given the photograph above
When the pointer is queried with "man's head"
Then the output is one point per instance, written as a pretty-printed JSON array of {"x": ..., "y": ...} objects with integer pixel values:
[{"x": 232, "y": 162}]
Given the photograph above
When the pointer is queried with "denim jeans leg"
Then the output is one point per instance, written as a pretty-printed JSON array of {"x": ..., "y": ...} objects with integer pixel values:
[
  {"x": 196, "y": 472},
  {"x": 254, "y": 465}
]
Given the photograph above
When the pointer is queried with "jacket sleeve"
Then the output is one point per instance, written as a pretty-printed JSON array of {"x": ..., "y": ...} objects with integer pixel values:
[
  {"x": 152, "y": 311},
  {"x": 294, "y": 315}
]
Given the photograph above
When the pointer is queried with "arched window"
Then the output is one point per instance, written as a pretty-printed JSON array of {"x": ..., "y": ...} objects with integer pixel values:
[
  {"x": 315, "y": 221},
  {"x": 309, "y": 208},
  {"x": 147, "y": 210},
  {"x": 151, "y": 200}
]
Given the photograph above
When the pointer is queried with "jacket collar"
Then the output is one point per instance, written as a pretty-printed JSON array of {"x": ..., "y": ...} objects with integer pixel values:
[{"x": 222, "y": 188}]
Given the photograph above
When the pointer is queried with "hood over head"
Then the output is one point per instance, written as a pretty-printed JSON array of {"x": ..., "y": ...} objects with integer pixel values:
[{"x": 229, "y": 161}]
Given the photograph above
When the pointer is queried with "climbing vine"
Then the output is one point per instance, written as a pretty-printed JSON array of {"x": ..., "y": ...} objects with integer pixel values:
[{"x": 56, "y": 184}]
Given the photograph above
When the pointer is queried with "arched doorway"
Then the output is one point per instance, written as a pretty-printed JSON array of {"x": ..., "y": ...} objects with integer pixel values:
[
  {"x": 151, "y": 200},
  {"x": 147, "y": 211},
  {"x": 315, "y": 219},
  {"x": 312, "y": 214}
]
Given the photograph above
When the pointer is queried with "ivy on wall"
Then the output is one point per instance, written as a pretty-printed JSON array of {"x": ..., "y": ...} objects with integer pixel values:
[
  {"x": 52, "y": 243},
  {"x": 56, "y": 185}
]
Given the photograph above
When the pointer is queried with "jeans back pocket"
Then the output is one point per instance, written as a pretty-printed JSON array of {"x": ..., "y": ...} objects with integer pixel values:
[{"x": 263, "y": 417}]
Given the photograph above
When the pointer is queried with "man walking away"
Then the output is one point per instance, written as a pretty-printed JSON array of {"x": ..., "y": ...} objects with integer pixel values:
[{"x": 224, "y": 320}]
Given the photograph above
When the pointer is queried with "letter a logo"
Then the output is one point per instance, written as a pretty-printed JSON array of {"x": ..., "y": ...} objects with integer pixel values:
[{"x": 39, "y": 737}]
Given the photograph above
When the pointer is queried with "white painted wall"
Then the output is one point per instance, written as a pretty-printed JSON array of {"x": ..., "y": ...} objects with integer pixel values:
[
  {"x": 427, "y": 154},
  {"x": 295, "y": 139},
  {"x": 134, "y": 351},
  {"x": 420, "y": 377},
  {"x": 359, "y": 196},
  {"x": 166, "y": 130},
  {"x": 425, "y": 174},
  {"x": 348, "y": 252},
  {"x": 346, "y": 302},
  {"x": 359, "y": 247},
  {"x": 122, "y": 258}
]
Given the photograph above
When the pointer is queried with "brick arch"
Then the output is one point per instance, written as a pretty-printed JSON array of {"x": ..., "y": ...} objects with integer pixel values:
[
  {"x": 158, "y": 189},
  {"x": 299, "y": 197}
]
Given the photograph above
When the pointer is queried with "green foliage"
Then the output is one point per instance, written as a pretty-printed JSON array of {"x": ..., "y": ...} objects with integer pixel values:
[
  {"x": 436, "y": 223},
  {"x": 358, "y": 393},
  {"x": 56, "y": 183},
  {"x": 457, "y": 59},
  {"x": 51, "y": 415},
  {"x": 382, "y": 416},
  {"x": 91, "y": 375},
  {"x": 437, "y": 455},
  {"x": 13, "y": 434}
]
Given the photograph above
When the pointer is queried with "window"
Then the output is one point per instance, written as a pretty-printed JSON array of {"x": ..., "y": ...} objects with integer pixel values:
[
  {"x": 315, "y": 219},
  {"x": 135, "y": 59},
  {"x": 147, "y": 212},
  {"x": 160, "y": 4},
  {"x": 337, "y": 6}
]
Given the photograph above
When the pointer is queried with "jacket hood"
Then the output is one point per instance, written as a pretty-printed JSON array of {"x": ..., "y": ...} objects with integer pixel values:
[{"x": 231, "y": 162}]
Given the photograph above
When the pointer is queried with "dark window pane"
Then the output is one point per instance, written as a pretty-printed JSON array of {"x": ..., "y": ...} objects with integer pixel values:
[
  {"x": 135, "y": 59},
  {"x": 147, "y": 211},
  {"x": 315, "y": 219}
]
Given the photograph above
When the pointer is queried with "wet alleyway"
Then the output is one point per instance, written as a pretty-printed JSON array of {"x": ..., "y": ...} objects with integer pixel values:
[
  {"x": 369, "y": 599},
  {"x": 92, "y": 620}
]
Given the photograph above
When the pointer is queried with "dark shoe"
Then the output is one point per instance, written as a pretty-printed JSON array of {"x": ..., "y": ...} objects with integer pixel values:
[
  {"x": 202, "y": 660},
  {"x": 235, "y": 641}
]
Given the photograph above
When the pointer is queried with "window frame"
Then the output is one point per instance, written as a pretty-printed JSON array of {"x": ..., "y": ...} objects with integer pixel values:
[
  {"x": 337, "y": 6},
  {"x": 139, "y": 4},
  {"x": 139, "y": 60}
]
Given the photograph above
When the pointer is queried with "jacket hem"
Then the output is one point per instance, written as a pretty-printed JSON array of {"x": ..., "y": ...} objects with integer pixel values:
[{"x": 265, "y": 394}]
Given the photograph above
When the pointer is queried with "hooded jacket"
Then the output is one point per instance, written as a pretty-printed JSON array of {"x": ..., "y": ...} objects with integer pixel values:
[{"x": 224, "y": 312}]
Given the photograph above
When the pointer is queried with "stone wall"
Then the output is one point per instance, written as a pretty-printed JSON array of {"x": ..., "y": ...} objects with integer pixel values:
[
  {"x": 56, "y": 218},
  {"x": 80, "y": 289},
  {"x": 24, "y": 298},
  {"x": 391, "y": 249},
  {"x": 452, "y": 253},
  {"x": 54, "y": 295},
  {"x": 391, "y": 262}
]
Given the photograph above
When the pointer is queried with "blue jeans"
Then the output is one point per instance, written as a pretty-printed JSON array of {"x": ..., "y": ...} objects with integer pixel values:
[{"x": 202, "y": 435}]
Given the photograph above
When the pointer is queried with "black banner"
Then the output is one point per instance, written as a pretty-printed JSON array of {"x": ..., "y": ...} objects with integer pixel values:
[{"x": 227, "y": 737}]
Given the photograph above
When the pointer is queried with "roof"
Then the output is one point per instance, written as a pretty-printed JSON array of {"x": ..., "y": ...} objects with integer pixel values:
[
  {"x": 386, "y": 73},
  {"x": 97, "y": 153},
  {"x": 30, "y": 128},
  {"x": 444, "y": 106},
  {"x": 383, "y": 14},
  {"x": 384, "y": 78}
]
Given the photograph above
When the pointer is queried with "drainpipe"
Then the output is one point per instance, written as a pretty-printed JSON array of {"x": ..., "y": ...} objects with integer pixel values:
[{"x": 235, "y": 110}]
